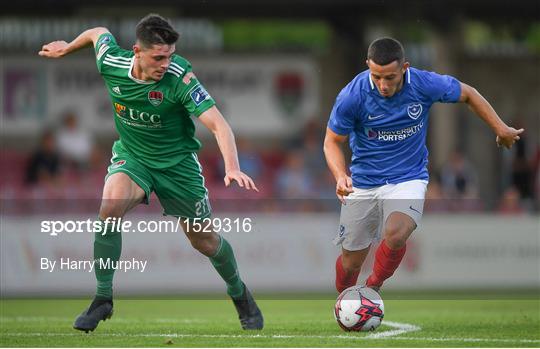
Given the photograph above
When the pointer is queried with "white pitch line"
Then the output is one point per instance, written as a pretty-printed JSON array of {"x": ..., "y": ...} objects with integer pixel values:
[
  {"x": 277, "y": 336},
  {"x": 400, "y": 328}
]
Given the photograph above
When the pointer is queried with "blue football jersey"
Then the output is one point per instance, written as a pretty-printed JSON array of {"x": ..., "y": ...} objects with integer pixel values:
[{"x": 387, "y": 136}]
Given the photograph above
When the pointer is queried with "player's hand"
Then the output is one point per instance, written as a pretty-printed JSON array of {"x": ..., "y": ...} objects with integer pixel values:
[
  {"x": 343, "y": 188},
  {"x": 55, "y": 49},
  {"x": 241, "y": 178},
  {"x": 508, "y": 137}
]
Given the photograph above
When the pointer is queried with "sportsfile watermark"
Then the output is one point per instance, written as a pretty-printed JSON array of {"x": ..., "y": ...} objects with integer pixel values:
[{"x": 216, "y": 224}]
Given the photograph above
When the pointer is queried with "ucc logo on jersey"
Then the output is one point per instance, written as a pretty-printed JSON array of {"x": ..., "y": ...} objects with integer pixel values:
[
  {"x": 134, "y": 117},
  {"x": 155, "y": 97},
  {"x": 414, "y": 110}
]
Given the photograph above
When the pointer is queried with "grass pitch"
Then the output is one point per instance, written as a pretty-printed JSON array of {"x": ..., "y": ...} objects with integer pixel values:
[{"x": 288, "y": 323}]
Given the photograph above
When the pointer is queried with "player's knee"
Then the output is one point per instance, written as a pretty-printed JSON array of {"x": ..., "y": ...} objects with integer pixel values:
[
  {"x": 396, "y": 236},
  {"x": 396, "y": 233},
  {"x": 205, "y": 245},
  {"x": 109, "y": 209}
]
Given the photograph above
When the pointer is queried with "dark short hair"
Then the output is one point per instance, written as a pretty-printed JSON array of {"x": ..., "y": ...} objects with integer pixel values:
[
  {"x": 155, "y": 30},
  {"x": 384, "y": 51}
]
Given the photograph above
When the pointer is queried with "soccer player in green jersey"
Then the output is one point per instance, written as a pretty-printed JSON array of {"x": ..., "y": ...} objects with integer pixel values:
[{"x": 154, "y": 94}]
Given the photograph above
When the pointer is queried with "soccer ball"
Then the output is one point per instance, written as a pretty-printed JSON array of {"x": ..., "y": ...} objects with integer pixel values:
[{"x": 359, "y": 309}]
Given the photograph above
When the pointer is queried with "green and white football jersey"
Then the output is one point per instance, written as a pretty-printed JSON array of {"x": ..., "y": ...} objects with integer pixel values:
[{"x": 153, "y": 118}]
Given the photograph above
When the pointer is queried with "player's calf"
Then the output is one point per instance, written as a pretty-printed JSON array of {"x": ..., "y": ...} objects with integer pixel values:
[
  {"x": 387, "y": 260},
  {"x": 397, "y": 230},
  {"x": 345, "y": 278},
  {"x": 348, "y": 266}
]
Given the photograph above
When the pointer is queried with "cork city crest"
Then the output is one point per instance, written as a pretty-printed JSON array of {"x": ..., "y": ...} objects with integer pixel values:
[{"x": 155, "y": 97}]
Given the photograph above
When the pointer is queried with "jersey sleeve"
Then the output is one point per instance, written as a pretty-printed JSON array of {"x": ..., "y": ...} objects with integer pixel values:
[
  {"x": 343, "y": 114},
  {"x": 193, "y": 95},
  {"x": 106, "y": 44},
  {"x": 443, "y": 88}
]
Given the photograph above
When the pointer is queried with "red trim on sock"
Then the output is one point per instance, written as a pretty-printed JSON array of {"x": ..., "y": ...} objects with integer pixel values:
[
  {"x": 386, "y": 263},
  {"x": 344, "y": 280}
]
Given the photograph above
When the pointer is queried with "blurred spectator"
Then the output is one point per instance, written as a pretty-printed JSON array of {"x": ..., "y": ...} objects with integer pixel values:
[
  {"x": 511, "y": 202},
  {"x": 74, "y": 143},
  {"x": 311, "y": 143},
  {"x": 98, "y": 160},
  {"x": 250, "y": 160},
  {"x": 435, "y": 201},
  {"x": 294, "y": 181},
  {"x": 434, "y": 190},
  {"x": 44, "y": 164},
  {"x": 458, "y": 178}
]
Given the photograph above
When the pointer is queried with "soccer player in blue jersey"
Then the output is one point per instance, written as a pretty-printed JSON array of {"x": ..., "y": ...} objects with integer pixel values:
[{"x": 383, "y": 112}]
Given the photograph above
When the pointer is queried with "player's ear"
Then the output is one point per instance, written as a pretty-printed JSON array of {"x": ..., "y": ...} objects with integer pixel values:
[
  {"x": 406, "y": 66},
  {"x": 367, "y": 62},
  {"x": 136, "y": 49}
]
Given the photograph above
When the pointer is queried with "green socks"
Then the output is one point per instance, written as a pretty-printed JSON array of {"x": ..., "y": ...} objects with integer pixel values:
[
  {"x": 108, "y": 248},
  {"x": 225, "y": 264}
]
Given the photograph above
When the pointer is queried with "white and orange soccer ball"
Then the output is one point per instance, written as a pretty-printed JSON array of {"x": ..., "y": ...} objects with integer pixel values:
[{"x": 359, "y": 308}]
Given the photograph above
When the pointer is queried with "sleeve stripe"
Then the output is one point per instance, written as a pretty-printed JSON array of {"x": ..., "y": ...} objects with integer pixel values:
[
  {"x": 179, "y": 68},
  {"x": 101, "y": 51},
  {"x": 119, "y": 58},
  {"x": 115, "y": 65},
  {"x": 173, "y": 73},
  {"x": 175, "y": 70},
  {"x": 112, "y": 60},
  {"x": 179, "y": 71}
]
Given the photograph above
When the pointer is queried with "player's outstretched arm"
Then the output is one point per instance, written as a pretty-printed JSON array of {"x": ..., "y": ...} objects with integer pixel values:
[
  {"x": 335, "y": 159},
  {"x": 217, "y": 124},
  {"x": 58, "y": 49},
  {"x": 506, "y": 135}
]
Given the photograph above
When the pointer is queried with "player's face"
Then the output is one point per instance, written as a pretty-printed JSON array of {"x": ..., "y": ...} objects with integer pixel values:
[
  {"x": 388, "y": 78},
  {"x": 153, "y": 61}
]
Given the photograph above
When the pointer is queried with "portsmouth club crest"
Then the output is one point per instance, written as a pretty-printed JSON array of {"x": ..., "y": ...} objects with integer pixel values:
[
  {"x": 370, "y": 133},
  {"x": 414, "y": 110},
  {"x": 155, "y": 97}
]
